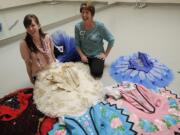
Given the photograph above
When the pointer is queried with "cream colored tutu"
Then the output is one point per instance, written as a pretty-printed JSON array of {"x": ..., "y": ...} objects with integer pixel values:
[{"x": 66, "y": 89}]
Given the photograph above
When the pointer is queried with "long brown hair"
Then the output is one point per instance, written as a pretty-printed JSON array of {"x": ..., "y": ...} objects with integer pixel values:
[{"x": 27, "y": 22}]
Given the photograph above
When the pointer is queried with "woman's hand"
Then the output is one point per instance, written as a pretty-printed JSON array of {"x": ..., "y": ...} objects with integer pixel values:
[
  {"x": 101, "y": 56},
  {"x": 84, "y": 59}
]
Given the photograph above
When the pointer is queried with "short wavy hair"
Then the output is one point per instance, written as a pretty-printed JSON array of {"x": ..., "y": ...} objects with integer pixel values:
[{"x": 87, "y": 6}]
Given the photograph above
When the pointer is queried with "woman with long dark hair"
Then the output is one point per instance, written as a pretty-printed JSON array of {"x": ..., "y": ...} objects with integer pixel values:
[{"x": 36, "y": 49}]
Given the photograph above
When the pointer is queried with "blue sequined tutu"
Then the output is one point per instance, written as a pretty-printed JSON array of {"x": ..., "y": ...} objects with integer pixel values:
[{"x": 142, "y": 69}]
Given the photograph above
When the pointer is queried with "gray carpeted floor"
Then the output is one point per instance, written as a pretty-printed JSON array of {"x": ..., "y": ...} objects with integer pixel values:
[{"x": 154, "y": 29}]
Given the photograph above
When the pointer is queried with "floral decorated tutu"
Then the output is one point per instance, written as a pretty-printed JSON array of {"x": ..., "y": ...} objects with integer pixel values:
[
  {"x": 152, "y": 113},
  {"x": 100, "y": 119}
]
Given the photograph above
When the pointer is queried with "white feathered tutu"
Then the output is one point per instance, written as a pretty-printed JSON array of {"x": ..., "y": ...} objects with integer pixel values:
[{"x": 66, "y": 88}]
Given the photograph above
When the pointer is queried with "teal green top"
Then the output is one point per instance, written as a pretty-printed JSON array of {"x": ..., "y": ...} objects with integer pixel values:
[{"x": 91, "y": 41}]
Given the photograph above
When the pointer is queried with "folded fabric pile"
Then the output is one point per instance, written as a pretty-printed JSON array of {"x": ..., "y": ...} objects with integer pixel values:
[
  {"x": 138, "y": 111},
  {"x": 67, "y": 91}
]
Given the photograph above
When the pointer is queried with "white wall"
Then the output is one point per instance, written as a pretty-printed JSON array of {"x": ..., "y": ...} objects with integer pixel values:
[
  {"x": 12, "y": 18},
  {"x": 156, "y": 1},
  {"x": 47, "y": 14},
  {"x": 13, "y": 3},
  {"x": 150, "y": 1}
]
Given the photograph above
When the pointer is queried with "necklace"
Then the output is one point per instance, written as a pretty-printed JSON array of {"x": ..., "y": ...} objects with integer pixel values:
[{"x": 42, "y": 47}]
